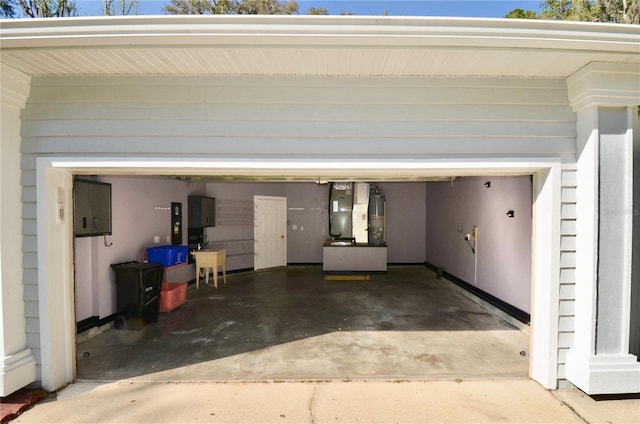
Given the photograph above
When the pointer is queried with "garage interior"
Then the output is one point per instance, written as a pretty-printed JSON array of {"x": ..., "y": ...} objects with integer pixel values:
[{"x": 291, "y": 322}]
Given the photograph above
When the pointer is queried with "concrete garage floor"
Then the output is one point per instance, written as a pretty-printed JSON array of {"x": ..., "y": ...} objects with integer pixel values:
[{"x": 291, "y": 324}]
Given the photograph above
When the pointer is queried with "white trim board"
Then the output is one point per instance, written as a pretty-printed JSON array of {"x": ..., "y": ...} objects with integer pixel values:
[{"x": 55, "y": 283}]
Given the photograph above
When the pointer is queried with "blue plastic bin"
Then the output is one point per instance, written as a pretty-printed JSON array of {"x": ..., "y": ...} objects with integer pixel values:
[{"x": 168, "y": 255}]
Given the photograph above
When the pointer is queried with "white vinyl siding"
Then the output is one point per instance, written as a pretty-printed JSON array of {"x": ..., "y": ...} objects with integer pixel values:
[
  {"x": 29, "y": 258},
  {"x": 349, "y": 117},
  {"x": 567, "y": 267}
]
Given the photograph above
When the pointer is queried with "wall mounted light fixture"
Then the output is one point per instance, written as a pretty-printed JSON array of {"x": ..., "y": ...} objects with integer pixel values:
[
  {"x": 511, "y": 214},
  {"x": 487, "y": 184}
]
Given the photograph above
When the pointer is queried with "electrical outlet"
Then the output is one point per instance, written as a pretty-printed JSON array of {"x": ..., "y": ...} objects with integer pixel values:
[
  {"x": 156, "y": 239},
  {"x": 168, "y": 239}
]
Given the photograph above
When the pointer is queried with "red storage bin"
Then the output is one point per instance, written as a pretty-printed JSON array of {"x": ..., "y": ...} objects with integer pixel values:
[{"x": 172, "y": 295}]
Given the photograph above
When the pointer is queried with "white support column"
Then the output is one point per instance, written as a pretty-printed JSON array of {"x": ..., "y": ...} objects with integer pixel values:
[
  {"x": 544, "y": 314},
  {"x": 55, "y": 275},
  {"x": 614, "y": 240},
  {"x": 599, "y": 361},
  {"x": 17, "y": 362}
]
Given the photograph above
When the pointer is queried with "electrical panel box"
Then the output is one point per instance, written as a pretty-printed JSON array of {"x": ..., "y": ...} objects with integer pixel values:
[
  {"x": 91, "y": 208},
  {"x": 202, "y": 211}
]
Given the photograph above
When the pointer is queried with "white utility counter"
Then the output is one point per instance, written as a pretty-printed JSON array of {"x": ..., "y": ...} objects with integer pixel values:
[{"x": 354, "y": 257}]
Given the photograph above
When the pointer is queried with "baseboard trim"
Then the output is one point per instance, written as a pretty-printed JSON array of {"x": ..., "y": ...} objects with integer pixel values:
[
  {"x": 509, "y": 309},
  {"x": 92, "y": 322},
  {"x": 86, "y": 324}
]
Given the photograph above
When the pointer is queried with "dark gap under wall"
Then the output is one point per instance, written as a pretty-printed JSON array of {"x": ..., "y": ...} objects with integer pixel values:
[
  {"x": 518, "y": 314},
  {"x": 94, "y": 321}
]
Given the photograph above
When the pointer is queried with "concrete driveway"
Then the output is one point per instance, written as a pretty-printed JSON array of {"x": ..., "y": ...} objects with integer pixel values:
[{"x": 476, "y": 401}]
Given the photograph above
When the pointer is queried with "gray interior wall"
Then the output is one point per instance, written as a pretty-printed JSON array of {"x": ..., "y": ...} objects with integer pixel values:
[
  {"x": 502, "y": 263},
  {"x": 405, "y": 221},
  {"x": 307, "y": 221},
  {"x": 84, "y": 278},
  {"x": 236, "y": 235}
]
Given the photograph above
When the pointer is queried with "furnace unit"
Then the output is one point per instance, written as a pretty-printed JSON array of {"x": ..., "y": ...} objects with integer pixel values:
[{"x": 340, "y": 211}]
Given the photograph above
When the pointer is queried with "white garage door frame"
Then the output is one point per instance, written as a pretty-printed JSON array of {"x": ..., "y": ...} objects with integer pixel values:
[{"x": 54, "y": 176}]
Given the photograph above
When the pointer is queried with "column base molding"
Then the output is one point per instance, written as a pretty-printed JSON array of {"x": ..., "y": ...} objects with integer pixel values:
[
  {"x": 603, "y": 374},
  {"x": 17, "y": 371}
]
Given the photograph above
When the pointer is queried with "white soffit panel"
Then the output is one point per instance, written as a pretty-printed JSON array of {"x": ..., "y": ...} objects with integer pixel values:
[{"x": 312, "y": 46}]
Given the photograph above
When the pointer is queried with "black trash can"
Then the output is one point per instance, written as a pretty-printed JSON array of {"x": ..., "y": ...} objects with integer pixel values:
[{"x": 138, "y": 288}]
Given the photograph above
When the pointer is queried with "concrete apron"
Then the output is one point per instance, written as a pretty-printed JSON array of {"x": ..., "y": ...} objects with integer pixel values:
[
  {"x": 291, "y": 324},
  {"x": 489, "y": 401}
]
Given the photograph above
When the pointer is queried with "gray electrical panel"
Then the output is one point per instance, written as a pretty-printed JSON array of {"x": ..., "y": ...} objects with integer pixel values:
[
  {"x": 202, "y": 211},
  {"x": 91, "y": 208}
]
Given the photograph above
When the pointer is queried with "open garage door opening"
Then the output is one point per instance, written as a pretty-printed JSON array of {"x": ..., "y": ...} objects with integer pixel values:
[{"x": 459, "y": 254}]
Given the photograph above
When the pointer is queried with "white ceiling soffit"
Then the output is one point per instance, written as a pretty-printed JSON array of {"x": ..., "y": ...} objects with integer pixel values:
[{"x": 312, "y": 46}]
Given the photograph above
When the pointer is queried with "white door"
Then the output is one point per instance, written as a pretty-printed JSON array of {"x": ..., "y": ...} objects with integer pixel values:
[{"x": 270, "y": 231}]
